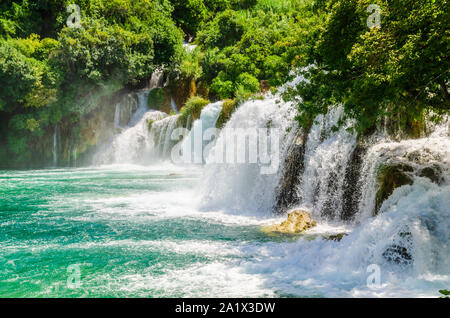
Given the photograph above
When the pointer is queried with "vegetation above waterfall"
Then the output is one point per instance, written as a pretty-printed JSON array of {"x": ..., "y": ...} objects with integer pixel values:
[
  {"x": 397, "y": 70},
  {"x": 53, "y": 74}
]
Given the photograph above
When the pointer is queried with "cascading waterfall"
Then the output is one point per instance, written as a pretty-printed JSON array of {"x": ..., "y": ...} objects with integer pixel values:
[
  {"x": 156, "y": 79},
  {"x": 132, "y": 145},
  {"x": 242, "y": 187},
  {"x": 418, "y": 153},
  {"x": 117, "y": 116},
  {"x": 208, "y": 119},
  {"x": 75, "y": 155},
  {"x": 160, "y": 136},
  {"x": 173, "y": 105},
  {"x": 55, "y": 146},
  {"x": 212, "y": 213},
  {"x": 141, "y": 109},
  {"x": 327, "y": 156}
]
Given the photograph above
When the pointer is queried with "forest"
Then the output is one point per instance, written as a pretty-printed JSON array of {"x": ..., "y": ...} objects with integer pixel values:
[{"x": 57, "y": 67}]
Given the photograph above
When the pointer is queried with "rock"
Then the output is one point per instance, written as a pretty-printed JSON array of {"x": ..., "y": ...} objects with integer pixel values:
[
  {"x": 336, "y": 238},
  {"x": 298, "y": 221},
  {"x": 390, "y": 177},
  {"x": 264, "y": 86},
  {"x": 228, "y": 108},
  {"x": 434, "y": 173},
  {"x": 397, "y": 254},
  {"x": 287, "y": 194},
  {"x": 352, "y": 189}
]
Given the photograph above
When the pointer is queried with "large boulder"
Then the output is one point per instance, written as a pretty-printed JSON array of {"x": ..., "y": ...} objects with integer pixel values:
[
  {"x": 298, "y": 221},
  {"x": 390, "y": 177}
]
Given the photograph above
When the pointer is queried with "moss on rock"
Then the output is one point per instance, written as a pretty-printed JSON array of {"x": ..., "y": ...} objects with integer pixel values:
[
  {"x": 433, "y": 172},
  {"x": 228, "y": 108},
  {"x": 192, "y": 111},
  {"x": 390, "y": 177},
  {"x": 159, "y": 99}
]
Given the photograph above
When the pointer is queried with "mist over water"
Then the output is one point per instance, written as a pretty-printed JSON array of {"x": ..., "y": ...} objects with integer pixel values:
[{"x": 139, "y": 226}]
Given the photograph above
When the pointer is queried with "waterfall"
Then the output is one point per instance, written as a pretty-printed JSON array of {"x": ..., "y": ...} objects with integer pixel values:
[
  {"x": 141, "y": 109},
  {"x": 189, "y": 47},
  {"x": 55, "y": 146},
  {"x": 327, "y": 156},
  {"x": 417, "y": 153},
  {"x": 173, "y": 105},
  {"x": 69, "y": 152},
  {"x": 132, "y": 144},
  {"x": 238, "y": 187},
  {"x": 117, "y": 116},
  {"x": 208, "y": 119},
  {"x": 74, "y": 155},
  {"x": 157, "y": 79},
  {"x": 160, "y": 136}
]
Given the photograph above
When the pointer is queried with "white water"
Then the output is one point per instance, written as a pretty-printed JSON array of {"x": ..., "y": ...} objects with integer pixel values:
[
  {"x": 133, "y": 143},
  {"x": 55, "y": 146},
  {"x": 415, "y": 217},
  {"x": 241, "y": 188},
  {"x": 156, "y": 79},
  {"x": 208, "y": 119},
  {"x": 326, "y": 159},
  {"x": 173, "y": 105},
  {"x": 339, "y": 269},
  {"x": 434, "y": 149},
  {"x": 161, "y": 137}
]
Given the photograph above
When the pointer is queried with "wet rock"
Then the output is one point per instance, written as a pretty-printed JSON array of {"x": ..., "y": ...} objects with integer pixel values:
[
  {"x": 298, "y": 221},
  {"x": 287, "y": 194},
  {"x": 336, "y": 238},
  {"x": 390, "y": 177},
  {"x": 352, "y": 191},
  {"x": 434, "y": 173},
  {"x": 264, "y": 86},
  {"x": 398, "y": 254}
]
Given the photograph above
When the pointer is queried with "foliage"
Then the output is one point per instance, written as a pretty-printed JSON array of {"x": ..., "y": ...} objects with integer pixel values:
[
  {"x": 228, "y": 108},
  {"x": 156, "y": 98},
  {"x": 264, "y": 41},
  {"x": 445, "y": 292},
  {"x": 192, "y": 111},
  {"x": 51, "y": 74},
  {"x": 399, "y": 70}
]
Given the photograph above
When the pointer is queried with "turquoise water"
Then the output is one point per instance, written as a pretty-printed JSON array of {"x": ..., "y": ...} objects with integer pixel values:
[{"x": 131, "y": 231}]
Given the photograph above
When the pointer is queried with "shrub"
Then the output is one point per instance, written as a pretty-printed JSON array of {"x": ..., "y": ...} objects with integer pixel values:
[
  {"x": 248, "y": 83},
  {"x": 192, "y": 111},
  {"x": 228, "y": 108},
  {"x": 222, "y": 86}
]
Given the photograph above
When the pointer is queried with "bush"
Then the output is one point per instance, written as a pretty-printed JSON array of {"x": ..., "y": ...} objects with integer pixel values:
[
  {"x": 228, "y": 108},
  {"x": 248, "y": 83},
  {"x": 222, "y": 87},
  {"x": 192, "y": 111}
]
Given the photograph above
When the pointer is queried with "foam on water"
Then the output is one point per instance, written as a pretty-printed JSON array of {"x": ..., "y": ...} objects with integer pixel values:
[{"x": 340, "y": 269}]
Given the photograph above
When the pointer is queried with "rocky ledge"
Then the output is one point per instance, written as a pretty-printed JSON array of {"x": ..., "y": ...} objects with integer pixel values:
[{"x": 298, "y": 221}]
